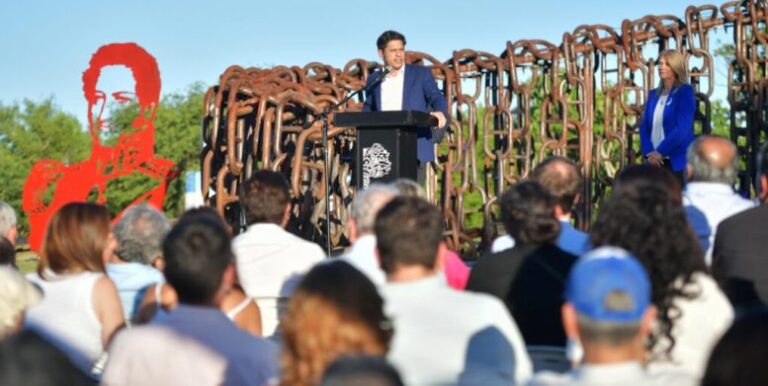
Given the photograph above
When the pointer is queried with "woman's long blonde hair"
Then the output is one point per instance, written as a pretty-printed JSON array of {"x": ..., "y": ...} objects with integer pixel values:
[{"x": 676, "y": 62}]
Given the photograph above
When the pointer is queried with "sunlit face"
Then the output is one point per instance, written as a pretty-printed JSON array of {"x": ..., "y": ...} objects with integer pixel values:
[
  {"x": 665, "y": 71},
  {"x": 393, "y": 54},
  {"x": 115, "y": 88}
]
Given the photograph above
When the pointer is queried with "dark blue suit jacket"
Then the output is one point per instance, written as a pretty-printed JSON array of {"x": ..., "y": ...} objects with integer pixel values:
[
  {"x": 678, "y": 125},
  {"x": 420, "y": 93}
]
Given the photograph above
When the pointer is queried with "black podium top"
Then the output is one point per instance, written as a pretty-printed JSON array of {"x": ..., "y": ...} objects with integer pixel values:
[{"x": 385, "y": 119}]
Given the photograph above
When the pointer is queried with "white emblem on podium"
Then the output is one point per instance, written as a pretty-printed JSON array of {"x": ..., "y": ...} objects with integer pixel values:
[{"x": 376, "y": 163}]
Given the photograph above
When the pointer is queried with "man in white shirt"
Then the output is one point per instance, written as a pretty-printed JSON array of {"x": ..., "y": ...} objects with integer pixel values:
[
  {"x": 442, "y": 336},
  {"x": 362, "y": 253},
  {"x": 271, "y": 260},
  {"x": 709, "y": 197},
  {"x": 608, "y": 309}
]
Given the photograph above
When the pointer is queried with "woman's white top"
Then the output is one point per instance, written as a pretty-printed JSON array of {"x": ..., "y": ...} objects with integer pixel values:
[
  {"x": 704, "y": 320},
  {"x": 66, "y": 312},
  {"x": 657, "y": 132}
]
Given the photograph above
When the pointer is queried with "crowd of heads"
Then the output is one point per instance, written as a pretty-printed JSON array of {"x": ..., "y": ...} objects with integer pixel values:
[{"x": 628, "y": 297}]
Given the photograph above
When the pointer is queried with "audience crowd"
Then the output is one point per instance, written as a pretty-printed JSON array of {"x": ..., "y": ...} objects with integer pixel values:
[{"x": 667, "y": 286}]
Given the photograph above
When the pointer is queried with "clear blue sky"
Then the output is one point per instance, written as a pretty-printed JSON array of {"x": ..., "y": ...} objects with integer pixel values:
[{"x": 46, "y": 45}]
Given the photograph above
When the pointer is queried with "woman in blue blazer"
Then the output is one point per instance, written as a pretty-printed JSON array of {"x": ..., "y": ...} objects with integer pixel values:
[{"x": 666, "y": 128}]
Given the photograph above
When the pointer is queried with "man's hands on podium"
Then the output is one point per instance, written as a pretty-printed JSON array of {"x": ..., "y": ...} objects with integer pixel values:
[{"x": 440, "y": 118}]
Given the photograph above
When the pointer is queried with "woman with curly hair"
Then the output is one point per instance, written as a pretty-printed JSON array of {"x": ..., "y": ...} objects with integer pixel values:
[
  {"x": 644, "y": 217},
  {"x": 335, "y": 311}
]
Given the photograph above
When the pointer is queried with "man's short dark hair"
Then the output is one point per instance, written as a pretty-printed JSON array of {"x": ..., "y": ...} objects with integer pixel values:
[
  {"x": 265, "y": 196},
  {"x": 361, "y": 370},
  {"x": 197, "y": 251},
  {"x": 527, "y": 212},
  {"x": 562, "y": 178},
  {"x": 408, "y": 232},
  {"x": 387, "y": 37}
]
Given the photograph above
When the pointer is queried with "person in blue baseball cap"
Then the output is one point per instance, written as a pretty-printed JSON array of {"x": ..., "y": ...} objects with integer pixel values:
[{"x": 608, "y": 310}]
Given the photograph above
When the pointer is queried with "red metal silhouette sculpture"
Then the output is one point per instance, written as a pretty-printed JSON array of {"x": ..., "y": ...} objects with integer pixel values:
[{"x": 133, "y": 153}]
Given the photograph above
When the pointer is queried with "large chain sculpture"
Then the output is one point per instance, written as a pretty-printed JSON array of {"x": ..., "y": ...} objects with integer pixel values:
[{"x": 582, "y": 99}]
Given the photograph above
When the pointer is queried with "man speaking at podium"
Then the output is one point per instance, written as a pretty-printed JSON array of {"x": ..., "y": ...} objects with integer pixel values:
[{"x": 407, "y": 87}]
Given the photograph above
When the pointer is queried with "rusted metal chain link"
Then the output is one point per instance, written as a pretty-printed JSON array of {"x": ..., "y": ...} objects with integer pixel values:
[{"x": 582, "y": 99}]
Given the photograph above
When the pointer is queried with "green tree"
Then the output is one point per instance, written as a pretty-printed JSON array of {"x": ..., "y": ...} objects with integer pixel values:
[
  {"x": 177, "y": 138},
  {"x": 32, "y": 131}
]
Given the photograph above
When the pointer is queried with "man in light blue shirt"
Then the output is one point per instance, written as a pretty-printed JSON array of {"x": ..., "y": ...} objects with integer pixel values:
[
  {"x": 709, "y": 197},
  {"x": 132, "y": 268},
  {"x": 562, "y": 178}
]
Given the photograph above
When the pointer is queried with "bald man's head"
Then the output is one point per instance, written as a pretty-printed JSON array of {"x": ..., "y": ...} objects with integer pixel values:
[{"x": 712, "y": 159}]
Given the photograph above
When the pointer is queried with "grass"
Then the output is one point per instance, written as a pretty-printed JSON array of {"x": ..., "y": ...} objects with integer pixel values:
[{"x": 26, "y": 261}]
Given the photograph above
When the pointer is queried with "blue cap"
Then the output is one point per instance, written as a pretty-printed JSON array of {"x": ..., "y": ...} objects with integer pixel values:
[{"x": 602, "y": 271}]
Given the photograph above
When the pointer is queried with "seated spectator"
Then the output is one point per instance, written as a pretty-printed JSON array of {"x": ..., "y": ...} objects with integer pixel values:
[
  {"x": 8, "y": 222},
  {"x": 195, "y": 343},
  {"x": 81, "y": 309},
  {"x": 29, "y": 360},
  {"x": 7, "y": 253},
  {"x": 335, "y": 311},
  {"x": 361, "y": 370},
  {"x": 739, "y": 358},
  {"x": 362, "y": 253},
  {"x": 562, "y": 178},
  {"x": 530, "y": 277},
  {"x": 709, "y": 198},
  {"x": 609, "y": 311},
  {"x": 235, "y": 305},
  {"x": 16, "y": 295},
  {"x": 456, "y": 272},
  {"x": 271, "y": 260},
  {"x": 139, "y": 234},
  {"x": 644, "y": 217},
  {"x": 442, "y": 336},
  {"x": 739, "y": 256}
]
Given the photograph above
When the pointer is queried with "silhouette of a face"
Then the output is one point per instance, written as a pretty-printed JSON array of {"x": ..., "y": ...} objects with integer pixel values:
[{"x": 114, "y": 89}]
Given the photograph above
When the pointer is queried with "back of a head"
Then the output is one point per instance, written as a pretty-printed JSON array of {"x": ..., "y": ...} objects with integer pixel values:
[
  {"x": 361, "y": 371},
  {"x": 738, "y": 359},
  {"x": 408, "y": 188},
  {"x": 638, "y": 176},
  {"x": 712, "y": 159},
  {"x": 527, "y": 212},
  {"x": 140, "y": 233},
  {"x": 7, "y": 252},
  {"x": 265, "y": 196},
  {"x": 561, "y": 178},
  {"x": 197, "y": 251},
  {"x": 16, "y": 295},
  {"x": 367, "y": 204},
  {"x": 27, "y": 359},
  {"x": 76, "y": 238},
  {"x": 611, "y": 292},
  {"x": 8, "y": 218},
  {"x": 336, "y": 310},
  {"x": 408, "y": 232}
]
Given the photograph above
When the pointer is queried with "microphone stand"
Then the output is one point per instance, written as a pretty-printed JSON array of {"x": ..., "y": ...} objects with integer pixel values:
[{"x": 326, "y": 179}]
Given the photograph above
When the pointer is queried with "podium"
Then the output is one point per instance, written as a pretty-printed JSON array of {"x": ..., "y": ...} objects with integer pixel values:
[{"x": 386, "y": 143}]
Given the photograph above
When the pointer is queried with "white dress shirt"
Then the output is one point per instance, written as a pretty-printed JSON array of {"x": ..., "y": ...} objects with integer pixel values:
[
  {"x": 270, "y": 263},
  {"x": 362, "y": 255},
  {"x": 444, "y": 336},
  {"x": 706, "y": 205},
  {"x": 392, "y": 91}
]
